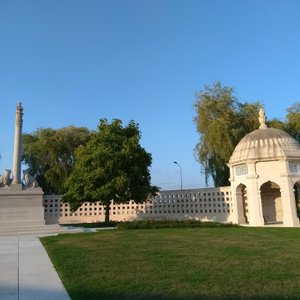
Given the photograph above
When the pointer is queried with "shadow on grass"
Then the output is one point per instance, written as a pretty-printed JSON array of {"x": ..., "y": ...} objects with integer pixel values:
[
  {"x": 116, "y": 296},
  {"x": 91, "y": 225}
]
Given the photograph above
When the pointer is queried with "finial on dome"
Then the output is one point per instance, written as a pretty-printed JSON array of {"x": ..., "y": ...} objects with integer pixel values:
[{"x": 262, "y": 119}]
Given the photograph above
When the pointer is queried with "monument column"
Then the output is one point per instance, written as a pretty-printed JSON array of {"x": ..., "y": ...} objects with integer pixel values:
[
  {"x": 21, "y": 207},
  {"x": 18, "y": 145}
]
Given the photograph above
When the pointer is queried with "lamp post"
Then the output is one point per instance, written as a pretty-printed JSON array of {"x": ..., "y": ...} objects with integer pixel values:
[{"x": 176, "y": 163}]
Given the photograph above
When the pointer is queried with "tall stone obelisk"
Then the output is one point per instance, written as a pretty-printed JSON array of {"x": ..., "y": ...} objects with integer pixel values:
[{"x": 18, "y": 145}]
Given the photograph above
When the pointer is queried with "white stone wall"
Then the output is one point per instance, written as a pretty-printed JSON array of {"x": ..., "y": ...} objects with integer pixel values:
[{"x": 206, "y": 204}]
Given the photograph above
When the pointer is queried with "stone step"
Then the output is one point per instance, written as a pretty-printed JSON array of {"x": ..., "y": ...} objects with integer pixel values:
[{"x": 37, "y": 230}]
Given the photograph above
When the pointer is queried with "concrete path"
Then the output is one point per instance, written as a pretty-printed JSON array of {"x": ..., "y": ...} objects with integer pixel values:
[{"x": 26, "y": 272}]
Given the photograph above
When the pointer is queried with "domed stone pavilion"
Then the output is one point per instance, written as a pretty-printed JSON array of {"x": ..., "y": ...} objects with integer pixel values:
[{"x": 265, "y": 177}]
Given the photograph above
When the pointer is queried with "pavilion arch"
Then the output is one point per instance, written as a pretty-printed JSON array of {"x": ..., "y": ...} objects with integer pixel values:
[
  {"x": 242, "y": 204},
  {"x": 271, "y": 202},
  {"x": 297, "y": 196}
]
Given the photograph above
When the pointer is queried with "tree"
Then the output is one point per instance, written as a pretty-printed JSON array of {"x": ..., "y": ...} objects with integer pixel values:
[
  {"x": 49, "y": 154},
  {"x": 293, "y": 120},
  {"x": 111, "y": 166},
  {"x": 221, "y": 121},
  {"x": 278, "y": 124}
]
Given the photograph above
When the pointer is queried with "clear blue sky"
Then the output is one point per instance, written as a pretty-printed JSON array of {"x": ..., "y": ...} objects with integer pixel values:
[{"x": 72, "y": 62}]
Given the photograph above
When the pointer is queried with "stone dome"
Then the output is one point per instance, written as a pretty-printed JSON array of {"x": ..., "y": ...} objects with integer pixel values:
[{"x": 265, "y": 144}]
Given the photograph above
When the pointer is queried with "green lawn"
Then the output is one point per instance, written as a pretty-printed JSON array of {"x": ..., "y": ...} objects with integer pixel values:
[{"x": 196, "y": 263}]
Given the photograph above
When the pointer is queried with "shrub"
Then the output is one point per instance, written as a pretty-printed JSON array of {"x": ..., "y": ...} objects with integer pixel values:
[{"x": 156, "y": 224}]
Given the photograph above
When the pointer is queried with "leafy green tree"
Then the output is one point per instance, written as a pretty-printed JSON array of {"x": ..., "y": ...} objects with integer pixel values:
[
  {"x": 221, "y": 121},
  {"x": 278, "y": 124},
  {"x": 291, "y": 124},
  {"x": 111, "y": 166},
  {"x": 293, "y": 120},
  {"x": 248, "y": 117},
  {"x": 49, "y": 154}
]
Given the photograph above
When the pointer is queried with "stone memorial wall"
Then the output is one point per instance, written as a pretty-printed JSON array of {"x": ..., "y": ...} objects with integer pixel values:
[{"x": 206, "y": 204}]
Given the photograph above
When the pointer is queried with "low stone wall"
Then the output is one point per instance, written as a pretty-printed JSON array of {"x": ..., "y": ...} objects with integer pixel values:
[{"x": 206, "y": 204}]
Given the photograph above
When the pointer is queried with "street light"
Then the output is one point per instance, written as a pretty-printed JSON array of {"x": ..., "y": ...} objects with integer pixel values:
[{"x": 176, "y": 163}]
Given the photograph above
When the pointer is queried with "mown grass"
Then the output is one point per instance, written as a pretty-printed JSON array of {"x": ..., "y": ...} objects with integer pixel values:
[{"x": 179, "y": 263}]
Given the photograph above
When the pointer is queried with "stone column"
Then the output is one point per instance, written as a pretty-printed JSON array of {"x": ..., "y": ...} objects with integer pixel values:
[
  {"x": 18, "y": 145},
  {"x": 289, "y": 208},
  {"x": 235, "y": 217},
  {"x": 255, "y": 213}
]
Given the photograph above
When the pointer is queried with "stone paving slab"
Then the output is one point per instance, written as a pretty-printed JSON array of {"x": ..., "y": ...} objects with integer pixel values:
[
  {"x": 9, "y": 268},
  {"x": 27, "y": 272}
]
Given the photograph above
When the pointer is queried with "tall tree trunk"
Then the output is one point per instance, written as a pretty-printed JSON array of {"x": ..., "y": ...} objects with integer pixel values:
[{"x": 107, "y": 214}]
